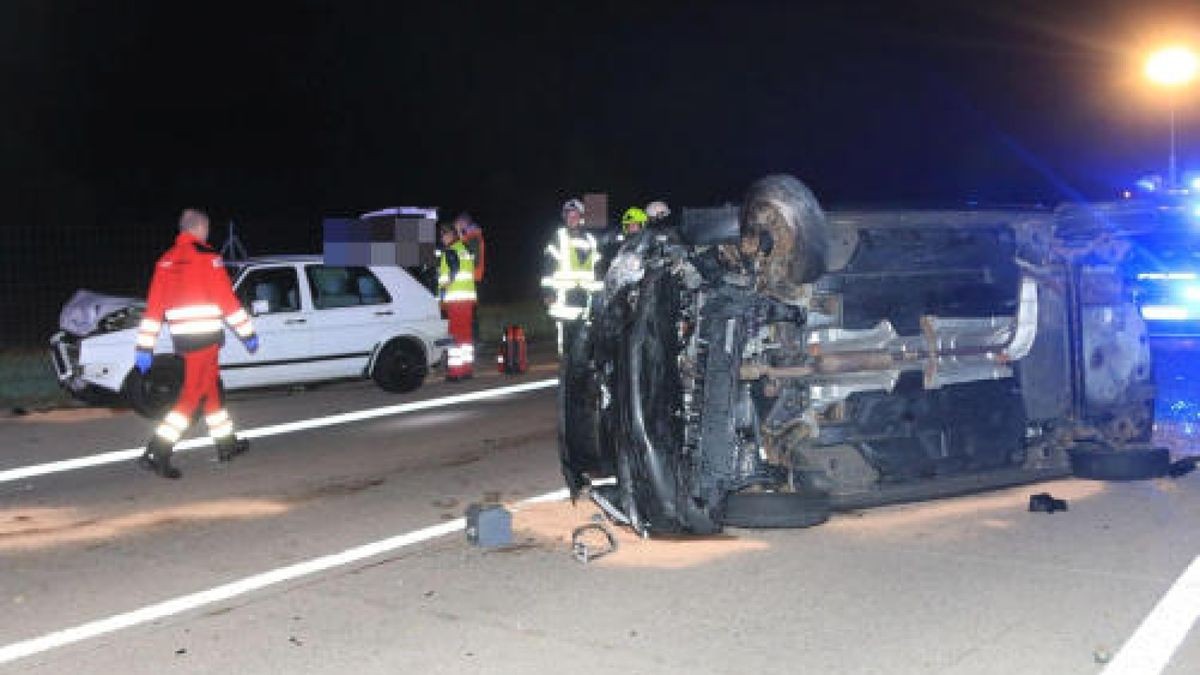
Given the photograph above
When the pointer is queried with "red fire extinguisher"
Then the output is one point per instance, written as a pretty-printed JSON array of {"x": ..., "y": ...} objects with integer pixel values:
[{"x": 512, "y": 358}]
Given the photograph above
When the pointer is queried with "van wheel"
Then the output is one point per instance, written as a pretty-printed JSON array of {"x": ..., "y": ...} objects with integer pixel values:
[
  {"x": 150, "y": 395},
  {"x": 400, "y": 367}
]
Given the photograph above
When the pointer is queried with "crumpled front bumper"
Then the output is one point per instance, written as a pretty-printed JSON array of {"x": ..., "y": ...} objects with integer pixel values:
[
  {"x": 98, "y": 361},
  {"x": 64, "y": 354}
]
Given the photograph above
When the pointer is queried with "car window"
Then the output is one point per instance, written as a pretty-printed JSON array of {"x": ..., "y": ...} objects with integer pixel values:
[
  {"x": 334, "y": 287},
  {"x": 270, "y": 291}
]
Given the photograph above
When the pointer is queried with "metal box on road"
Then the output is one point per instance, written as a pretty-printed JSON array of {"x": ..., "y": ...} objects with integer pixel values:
[{"x": 489, "y": 525}]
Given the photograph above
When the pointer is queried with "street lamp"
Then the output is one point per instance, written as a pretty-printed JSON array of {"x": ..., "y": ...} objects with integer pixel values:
[{"x": 1172, "y": 68}]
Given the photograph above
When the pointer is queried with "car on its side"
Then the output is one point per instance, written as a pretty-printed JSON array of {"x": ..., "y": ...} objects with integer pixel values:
[
  {"x": 315, "y": 321},
  {"x": 767, "y": 365}
]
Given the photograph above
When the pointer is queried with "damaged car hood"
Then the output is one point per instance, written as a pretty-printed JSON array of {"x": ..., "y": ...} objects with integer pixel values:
[{"x": 88, "y": 312}]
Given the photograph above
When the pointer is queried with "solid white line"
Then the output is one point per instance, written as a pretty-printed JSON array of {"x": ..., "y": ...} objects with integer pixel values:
[
  {"x": 111, "y": 457},
  {"x": 185, "y": 603},
  {"x": 1149, "y": 649}
]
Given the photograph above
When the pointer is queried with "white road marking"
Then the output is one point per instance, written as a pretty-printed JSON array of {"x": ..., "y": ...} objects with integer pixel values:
[
  {"x": 114, "y": 456},
  {"x": 185, "y": 603},
  {"x": 1149, "y": 649}
]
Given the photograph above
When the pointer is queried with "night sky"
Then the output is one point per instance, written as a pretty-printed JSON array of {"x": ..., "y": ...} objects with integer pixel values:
[{"x": 115, "y": 115}]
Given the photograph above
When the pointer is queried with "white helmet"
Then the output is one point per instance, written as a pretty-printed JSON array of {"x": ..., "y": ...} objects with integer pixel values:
[
  {"x": 573, "y": 205},
  {"x": 657, "y": 210}
]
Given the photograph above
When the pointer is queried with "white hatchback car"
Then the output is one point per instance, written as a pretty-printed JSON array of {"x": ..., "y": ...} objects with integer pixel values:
[{"x": 315, "y": 322}]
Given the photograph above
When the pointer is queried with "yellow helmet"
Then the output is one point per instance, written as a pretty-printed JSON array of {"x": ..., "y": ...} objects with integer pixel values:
[{"x": 633, "y": 215}]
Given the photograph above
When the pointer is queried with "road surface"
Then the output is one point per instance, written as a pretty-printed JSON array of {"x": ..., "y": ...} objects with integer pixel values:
[{"x": 143, "y": 567}]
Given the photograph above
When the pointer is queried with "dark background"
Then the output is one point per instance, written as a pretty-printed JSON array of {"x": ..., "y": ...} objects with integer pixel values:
[{"x": 115, "y": 115}]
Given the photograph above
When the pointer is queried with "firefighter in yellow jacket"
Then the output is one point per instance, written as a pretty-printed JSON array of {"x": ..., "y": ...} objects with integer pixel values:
[{"x": 570, "y": 280}]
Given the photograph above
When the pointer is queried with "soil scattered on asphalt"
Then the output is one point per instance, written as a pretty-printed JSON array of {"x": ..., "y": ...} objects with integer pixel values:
[
  {"x": 990, "y": 508},
  {"x": 24, "y": 529},
  {"x": 550, "y": 525}
]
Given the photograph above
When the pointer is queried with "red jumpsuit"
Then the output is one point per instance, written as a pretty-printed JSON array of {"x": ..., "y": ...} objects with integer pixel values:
[{"x": 191, "y": 291}]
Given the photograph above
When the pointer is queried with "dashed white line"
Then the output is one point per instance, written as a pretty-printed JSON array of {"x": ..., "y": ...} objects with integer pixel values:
[
  {"x": 161, "y": 610},
  {"x": 1149, "y": 649},
  {"x": 114, "y": 456}
]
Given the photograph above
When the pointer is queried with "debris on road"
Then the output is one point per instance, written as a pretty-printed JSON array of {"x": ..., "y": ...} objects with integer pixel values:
[
  {"x": 1182, "y": 467},
  {"x": 1043, "y": 502},
  {"x": 586, "y": 547},
  {"x": 549, "y": 527},
  {"x": 489, "y": 525}
]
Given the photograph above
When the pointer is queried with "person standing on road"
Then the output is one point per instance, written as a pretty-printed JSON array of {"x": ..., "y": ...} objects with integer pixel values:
[
  {"x": 570, "y": 279},
  {"x": 456, "y": 289},
  {"x": 191, "y": 292},
  {"x": 632, "y": 221},
  {"x": 471, "y": 234}
]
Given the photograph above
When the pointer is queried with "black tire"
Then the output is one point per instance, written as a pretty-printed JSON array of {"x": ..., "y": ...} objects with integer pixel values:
[
  {"x": 400, "y": 366},
  {"x": 153, "y": 394},
  {"x": 1102, "y": 463},
  {"x": 776, "y": 509},
  {"x": 780, "y": 203}
]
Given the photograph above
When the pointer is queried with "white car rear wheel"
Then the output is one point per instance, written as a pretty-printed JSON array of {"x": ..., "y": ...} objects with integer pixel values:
[{"x": 400, "y": 366}]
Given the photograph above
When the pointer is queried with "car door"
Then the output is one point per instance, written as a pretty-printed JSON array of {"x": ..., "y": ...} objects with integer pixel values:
[
  {"x": 274, "y": 298},
  {"x": 351, "y": 309}
]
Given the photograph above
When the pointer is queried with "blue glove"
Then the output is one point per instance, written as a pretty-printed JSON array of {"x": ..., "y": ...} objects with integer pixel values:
[
  {"x": 251, "y": 343},
  {"x": 142, "y": 361}
]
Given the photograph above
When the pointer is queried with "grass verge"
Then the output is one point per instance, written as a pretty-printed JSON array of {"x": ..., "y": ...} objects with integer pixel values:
[{"x": 27, "y": 380}]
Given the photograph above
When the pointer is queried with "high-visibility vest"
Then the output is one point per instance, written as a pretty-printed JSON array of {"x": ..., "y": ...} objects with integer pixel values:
[
  {"x": 462, "y": 287},
  {"x": 576, "y": 255}
]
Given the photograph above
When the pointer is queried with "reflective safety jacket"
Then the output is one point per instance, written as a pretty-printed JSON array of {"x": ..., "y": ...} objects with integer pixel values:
[
  {"x": 191, "y": 292},
  {"x": 456, "y": 274},
  {"x": 572, "y": 257}
]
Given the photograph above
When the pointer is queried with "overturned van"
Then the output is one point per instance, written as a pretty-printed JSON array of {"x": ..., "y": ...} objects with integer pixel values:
[{"x": 764, "y": 365}]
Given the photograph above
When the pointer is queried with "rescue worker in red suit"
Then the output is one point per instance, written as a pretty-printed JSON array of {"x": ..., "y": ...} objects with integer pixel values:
[
  {"x": 456, "y": 288},
  {"x": 191, "y": 293}
]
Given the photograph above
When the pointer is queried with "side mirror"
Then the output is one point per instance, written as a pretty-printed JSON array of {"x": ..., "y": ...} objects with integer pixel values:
[{"x": 258, "y": 307}]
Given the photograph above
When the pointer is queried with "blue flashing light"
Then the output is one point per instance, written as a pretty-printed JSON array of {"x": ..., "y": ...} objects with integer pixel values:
[
  {"x": 1146, "y": 184},
  {"x": 1195, "y": 184},
  {"x": 1166, "y": 276},
  {"x": 1165, "y": 313}
]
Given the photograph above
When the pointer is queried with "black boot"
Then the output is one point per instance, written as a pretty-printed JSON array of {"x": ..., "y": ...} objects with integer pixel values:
[
  {"x": 231, "y": 446},
  {"x": 157, "y": 458}
]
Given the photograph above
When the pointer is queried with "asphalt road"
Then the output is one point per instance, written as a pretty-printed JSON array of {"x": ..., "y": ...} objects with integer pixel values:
[{"x": 969, "y": 585}]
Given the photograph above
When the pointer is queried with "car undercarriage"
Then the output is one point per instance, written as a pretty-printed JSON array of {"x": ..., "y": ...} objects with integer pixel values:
[{"x": 765, "y": 365}]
